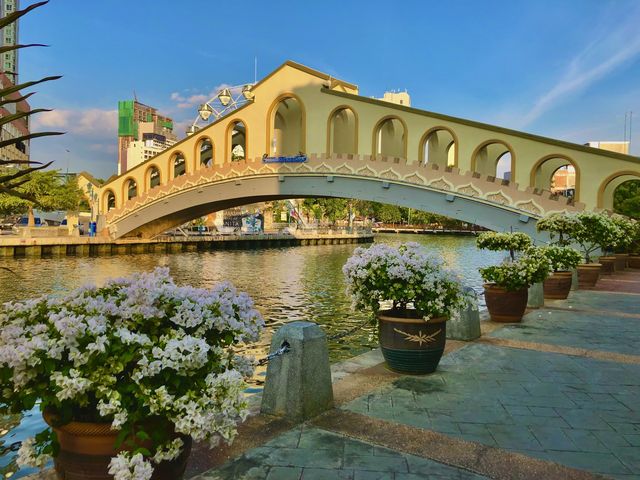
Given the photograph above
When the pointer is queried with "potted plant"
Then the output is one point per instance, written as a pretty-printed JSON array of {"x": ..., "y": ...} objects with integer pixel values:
[
  {"x": 127, "y": 374},
  {"x": 562, "y": 260},
  {"x": 623, "y": 241},
  {"x": 593, "y": 231},
  {"x": 506, "y": 287},
  {"x": 634, "y": 245},
  {"x": 412, "y": 295}
]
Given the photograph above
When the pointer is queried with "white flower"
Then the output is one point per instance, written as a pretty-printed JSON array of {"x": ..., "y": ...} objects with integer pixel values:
[
  {"x": 28, "y": 457},
  {"x": 130, "y": 467}
]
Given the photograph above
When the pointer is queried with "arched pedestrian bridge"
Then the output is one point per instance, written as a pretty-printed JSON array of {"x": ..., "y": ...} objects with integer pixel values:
[{"x": 367, "y": 149}]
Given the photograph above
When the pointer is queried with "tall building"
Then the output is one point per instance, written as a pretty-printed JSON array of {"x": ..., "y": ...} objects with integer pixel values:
[
  {"x": 16, "y": 128},
  {"x": 8, "y": 78},
  {"x": 9, "y": 37},
  {"x": 142, "y": 134}
]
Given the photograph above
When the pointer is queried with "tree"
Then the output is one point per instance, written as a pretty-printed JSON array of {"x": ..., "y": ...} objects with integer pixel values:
[
  {"x": 626, "y": 199},
  {"x": 11, "y": 179},
  {"x": 44, "y": 190}
]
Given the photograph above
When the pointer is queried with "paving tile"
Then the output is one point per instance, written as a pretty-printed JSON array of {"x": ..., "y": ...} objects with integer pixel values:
[
  {"x": 364, "y": 475},
  {"x": 326, "y": 474},
  {"x": 514, "y": 437},
  {"x": 605, "y": 463},
  {"x": 284, "y": 473},
  {"x": 376, "y": 464},
  {"x": 552, "y": 438}
]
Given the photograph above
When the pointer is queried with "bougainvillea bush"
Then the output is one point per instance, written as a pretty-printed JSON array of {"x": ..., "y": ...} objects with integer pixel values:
[
  {"x": 407, "y": 276},
  {"x": 562, "y": 258},
  {"x": 125, "y": 352}
]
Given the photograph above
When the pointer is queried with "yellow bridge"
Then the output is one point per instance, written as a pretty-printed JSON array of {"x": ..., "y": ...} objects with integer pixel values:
[{"x": 364, "y": 148}]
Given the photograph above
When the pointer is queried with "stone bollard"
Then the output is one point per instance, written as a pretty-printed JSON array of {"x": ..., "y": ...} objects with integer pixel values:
[
  {"x": 298, "y": 383},
  {"x": 536, "y": 296},
  {"x": 574, "y": 279},
  {"x": 467, "y": 326}
]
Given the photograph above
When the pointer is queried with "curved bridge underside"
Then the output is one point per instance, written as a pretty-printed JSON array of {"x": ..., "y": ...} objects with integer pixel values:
[{"x": 485, "y": 201}]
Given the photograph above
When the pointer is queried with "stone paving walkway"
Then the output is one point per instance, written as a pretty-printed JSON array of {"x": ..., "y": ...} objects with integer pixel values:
[{"x": 557, "y": 396}]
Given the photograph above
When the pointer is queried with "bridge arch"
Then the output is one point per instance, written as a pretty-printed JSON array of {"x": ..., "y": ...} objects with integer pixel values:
[
  {"x": 177, "y": 165},
  {"x": 609, "y": 185},
  {"x": 342, "y": 130},
  {"x": 108, "y": 201},
  {"x": 390, "y": 137},
  {"x": 204, "y": 153},
  {"x": 439, "y": 145},
  {"x": 545, "y": 170},
  {"x": 286, "y": 126},
  {"x": 164, "y": 213},
  {"x": 488, "y": 154},
  {"x": 236, "y": 137},
  {"x": 129, "y": 189},
  {"x": 152, "y": 177}
]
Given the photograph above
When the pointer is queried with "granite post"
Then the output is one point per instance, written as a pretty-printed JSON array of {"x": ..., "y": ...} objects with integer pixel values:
[{"x": 298, "y": 383}]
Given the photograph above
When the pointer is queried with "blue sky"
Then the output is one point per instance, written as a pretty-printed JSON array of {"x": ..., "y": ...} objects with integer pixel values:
[{"x": 565, "y": 69}]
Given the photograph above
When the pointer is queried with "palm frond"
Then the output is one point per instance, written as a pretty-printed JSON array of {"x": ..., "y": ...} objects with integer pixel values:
[
  {"x": 15, "y": 88},
  {"x": 9, "y": 19},
  {"x": 6, "y": 143}
]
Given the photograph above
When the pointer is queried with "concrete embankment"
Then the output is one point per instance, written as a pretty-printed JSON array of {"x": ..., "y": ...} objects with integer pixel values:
[{"x": 17, "y": 247}]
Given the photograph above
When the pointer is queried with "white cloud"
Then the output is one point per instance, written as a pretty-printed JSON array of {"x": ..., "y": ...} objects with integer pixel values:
[
  {"x": 91, "y": 122},
  {"x": 617, "y": 47}
]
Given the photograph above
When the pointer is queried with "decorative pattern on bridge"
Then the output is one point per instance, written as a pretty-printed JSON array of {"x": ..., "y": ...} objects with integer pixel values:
[{"x": 449, "y": 181}]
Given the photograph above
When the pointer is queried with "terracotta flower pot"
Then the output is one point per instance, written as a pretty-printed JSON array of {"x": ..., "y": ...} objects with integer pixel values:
[
  {"x": 608, "y": 265},
  {"x": 87, "y": 448},
  {"x": 557, "y": 285},
  {"x": 588, "y": 274},
  {"x": 621, "y": 261},
  {"x": 634, "y": 261},
  {"x": 408, "y": 343},
  {"x": 505, "y": 305}
]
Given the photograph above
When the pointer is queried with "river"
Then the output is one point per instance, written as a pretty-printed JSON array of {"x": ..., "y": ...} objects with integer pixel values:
[{"x": 286, "y": 284}]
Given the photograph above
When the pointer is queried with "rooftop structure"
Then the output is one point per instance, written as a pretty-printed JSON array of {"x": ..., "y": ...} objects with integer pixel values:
[
  {"x": 618, "y": 147},
  {"x": 142, "y": 134}
]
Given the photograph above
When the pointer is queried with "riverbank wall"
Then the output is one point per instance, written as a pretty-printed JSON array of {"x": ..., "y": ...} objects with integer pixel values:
[{"x": 18, "y": 247}]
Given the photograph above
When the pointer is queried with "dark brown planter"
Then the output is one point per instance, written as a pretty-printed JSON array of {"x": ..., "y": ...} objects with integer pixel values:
[
  {"x": 503, "y": 305},
  {"x": 621, "y": 261},
  {"x": 588, "y": 274},
  {"x": 408, "y": 343},
  {"x": 608, "y": 265},
  {"x": 87, "y": 448},
  {"x": 634, "y": 261},
  {"x": 557, "y": 285}
]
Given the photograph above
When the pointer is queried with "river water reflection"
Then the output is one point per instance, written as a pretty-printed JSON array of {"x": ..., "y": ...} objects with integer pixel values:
[{"x": 286, "y": 284}]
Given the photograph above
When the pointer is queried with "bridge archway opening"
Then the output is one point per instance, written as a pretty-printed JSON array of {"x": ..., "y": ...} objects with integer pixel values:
[
  {"x": 178, "y": 165},
  {"x": 342, "y": 132},
  {"x": 109, "y": 200},
  {"x": 611, "y": 184},
  {"x": 438, "y": 147},
  {"x": 205, "y": 153},
  {"x": 131, "y": 189},
  {"x": 287, "y": 127},
  {"x": 390, "y": 138},
  {"x": 152, "y": 177},
  {"x": 494, "y": 158},
  {"x": 626, "y": 198},
  {"x": 237, "y": 141},
  {"x": 557, "y": 174}
]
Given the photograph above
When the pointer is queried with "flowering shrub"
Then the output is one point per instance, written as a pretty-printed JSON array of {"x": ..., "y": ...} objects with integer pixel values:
[
  {"x": 625, "y": 235},
  {"x": 513, "y": 242},
  {"x": 562, "y": 258},
  {"x": 131, "y": 350},
  {"x": 559, "y": 224},
  {"x": 532, "y": 267},
  {"x": 593, "y": 231},
  {"x": 407, "y": 276}
]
